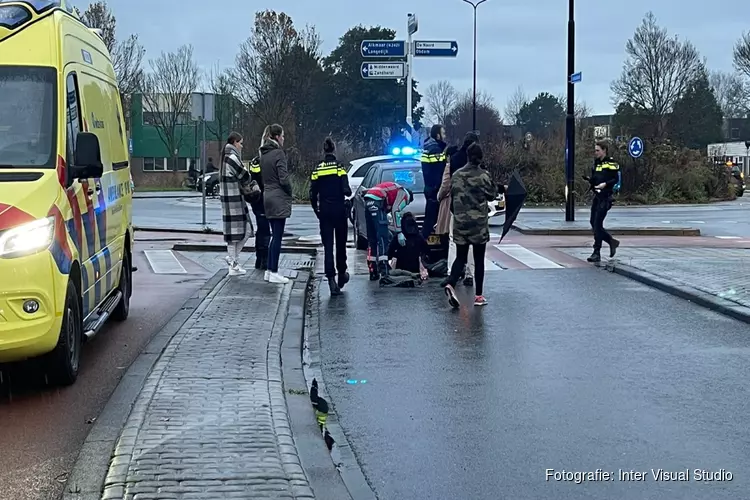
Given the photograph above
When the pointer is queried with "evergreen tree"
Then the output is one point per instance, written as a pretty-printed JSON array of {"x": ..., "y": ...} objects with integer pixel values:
[{"x": 696, "y": 120}]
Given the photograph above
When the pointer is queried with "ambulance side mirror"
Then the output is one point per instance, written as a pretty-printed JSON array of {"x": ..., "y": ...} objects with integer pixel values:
[{"x": 88, "y": 157}]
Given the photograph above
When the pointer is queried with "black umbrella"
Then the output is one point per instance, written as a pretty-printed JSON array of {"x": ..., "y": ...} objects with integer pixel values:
[{"x": 515, "y": 195}]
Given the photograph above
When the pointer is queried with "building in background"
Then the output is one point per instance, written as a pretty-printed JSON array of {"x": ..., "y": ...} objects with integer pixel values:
[{"x": 152, "y": 165}]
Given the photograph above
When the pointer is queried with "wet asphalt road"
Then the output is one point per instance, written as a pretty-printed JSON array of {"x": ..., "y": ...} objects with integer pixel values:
[
  {"x": 478, "y": 403},
  {"x": 720, "y": 219},
  {"x": 42, "y": 429}
]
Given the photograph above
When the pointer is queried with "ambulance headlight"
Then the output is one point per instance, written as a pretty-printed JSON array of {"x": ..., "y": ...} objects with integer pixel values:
[{"x": 28, "y": 238}]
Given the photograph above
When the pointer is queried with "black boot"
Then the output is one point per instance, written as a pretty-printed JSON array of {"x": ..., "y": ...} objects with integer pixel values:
[
  {"x": 264, "y": 259},
  {"x": 333, "y": 287},
  {"x": 258, "y": 260},
  {"x": 343, "y": 279},
  {"x": 595, "y": 257},
  {"x": 613, "y": 247}
]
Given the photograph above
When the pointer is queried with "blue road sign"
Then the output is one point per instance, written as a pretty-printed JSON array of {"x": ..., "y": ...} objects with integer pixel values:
[
  {"x": 436, "y": 48},
  {"x": 130, "y": 145},
  {"x": 383, "y": 70},
  {"x": 575, "y": 77},
  {"x": 635, "y": 147},
  {"x": 383, "y": 48}
]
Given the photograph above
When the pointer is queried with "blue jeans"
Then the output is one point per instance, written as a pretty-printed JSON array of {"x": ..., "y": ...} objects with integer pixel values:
[
  {"x": 274, "y": 249},
  {"x": 378, "y": 235}
]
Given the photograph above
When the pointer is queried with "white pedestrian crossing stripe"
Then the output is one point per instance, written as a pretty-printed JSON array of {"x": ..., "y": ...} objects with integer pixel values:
[
  {"x": 527, "y": 257},
  {"x": 488, "y": 264},
  {"x": 164, "y": 262}
]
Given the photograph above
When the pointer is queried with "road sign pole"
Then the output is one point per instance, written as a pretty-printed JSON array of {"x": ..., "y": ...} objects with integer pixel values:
[
  {"x": 570, "y": 124},
  {"x": 203, "y": 160},
  {"x": 411, "y": 28}
]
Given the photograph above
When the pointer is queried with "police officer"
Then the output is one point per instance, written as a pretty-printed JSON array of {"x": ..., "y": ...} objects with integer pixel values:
[
  {"x": 605, "y": 174},
  {"x": 329, "y": 187},
  {"x": 263, "y": 234},
  {"x": 433, "y": 164}
]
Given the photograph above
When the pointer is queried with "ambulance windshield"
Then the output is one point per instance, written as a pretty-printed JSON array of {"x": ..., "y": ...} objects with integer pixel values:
[{"x": 27, "y": 114}]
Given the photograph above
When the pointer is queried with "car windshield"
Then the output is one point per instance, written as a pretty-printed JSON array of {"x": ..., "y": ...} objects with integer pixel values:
[
  {"x": 27, "y": 115},
  {"x": 410, "y": 176}
]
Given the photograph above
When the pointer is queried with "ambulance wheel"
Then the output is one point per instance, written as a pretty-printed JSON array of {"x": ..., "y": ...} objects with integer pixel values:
[
  {"x": 122, "y": 310},
  {"x": 63, "y": 362}
]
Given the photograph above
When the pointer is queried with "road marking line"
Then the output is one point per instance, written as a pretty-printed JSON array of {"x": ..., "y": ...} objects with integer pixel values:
[
  {"x": 666, "y": 222},
  {"x": 164, "y": 262},
  {"x": 729, "y": 237},
  {"x": 527, "y": 257},
  {"x": 489, "y": 265},
  {"x": 695, "y": 222}
]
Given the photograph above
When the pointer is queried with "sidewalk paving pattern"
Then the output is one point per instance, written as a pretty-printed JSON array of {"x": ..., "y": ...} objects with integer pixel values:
[
  {"x": 722, "y": 272},
  {"x": 211, "y": 421}
]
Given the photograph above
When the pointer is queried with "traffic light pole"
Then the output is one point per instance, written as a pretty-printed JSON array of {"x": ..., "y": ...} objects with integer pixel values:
[{"x": 570, "y": 124}]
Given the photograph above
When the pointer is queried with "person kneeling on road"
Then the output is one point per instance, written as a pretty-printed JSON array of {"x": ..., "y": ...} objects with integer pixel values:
[
  {"x": 381, "y": 201},
  {"x": 406, "y": 251},
  {"x": 329, "y": 187},
  {"x": 605, "y": 174}
]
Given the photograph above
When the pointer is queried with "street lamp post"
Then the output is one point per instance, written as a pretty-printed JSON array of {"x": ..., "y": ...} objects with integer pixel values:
[
  {"x": 475, "y": 4},
  {"x": 570, "y": 124}
]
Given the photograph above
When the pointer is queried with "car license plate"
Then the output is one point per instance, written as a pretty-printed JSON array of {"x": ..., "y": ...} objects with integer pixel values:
[{"x": 433, "y": 239}]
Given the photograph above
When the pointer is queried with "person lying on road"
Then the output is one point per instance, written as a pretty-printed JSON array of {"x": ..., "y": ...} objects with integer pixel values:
[{"x": 407, "y": 249}]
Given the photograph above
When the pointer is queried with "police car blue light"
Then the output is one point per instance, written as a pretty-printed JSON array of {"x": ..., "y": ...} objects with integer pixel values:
[{"x": 405, "y": 151}]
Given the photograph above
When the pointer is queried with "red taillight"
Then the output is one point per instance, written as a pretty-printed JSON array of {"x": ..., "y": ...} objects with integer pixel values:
[{"x": 61, "y": 177}]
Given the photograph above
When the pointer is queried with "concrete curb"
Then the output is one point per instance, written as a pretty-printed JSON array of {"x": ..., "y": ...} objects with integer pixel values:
[
  {"x": 345, "y": 459},
  {"x": 153, "y": 229},
  {"x": 86, "y": 480},
  {"x": 703, "y": 299},
  {"x": 640, "y": 231},
  {"x": 324, "y": 479},
  {"x": 208, "y": 247}
]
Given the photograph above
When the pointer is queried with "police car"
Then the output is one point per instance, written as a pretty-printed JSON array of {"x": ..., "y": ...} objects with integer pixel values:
[{"x": 357, "y": 169}]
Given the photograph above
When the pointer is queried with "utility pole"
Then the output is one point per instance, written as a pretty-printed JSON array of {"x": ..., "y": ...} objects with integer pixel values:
[
  {"x": 474, "y": 101},
  {"x": 570, "y": 124}
]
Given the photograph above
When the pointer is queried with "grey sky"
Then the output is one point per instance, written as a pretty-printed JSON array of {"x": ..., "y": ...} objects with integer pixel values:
[{"x": 520, "y": 42}]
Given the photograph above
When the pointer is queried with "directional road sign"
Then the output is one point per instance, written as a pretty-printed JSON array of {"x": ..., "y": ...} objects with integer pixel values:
[
  {"x": 436, "y": 49},
  {"x": 575, "y": 77},
  {"x": 383, "y": 70},
  {"x": 635, "y": 147},
  {"x": 383, "y": 48}
]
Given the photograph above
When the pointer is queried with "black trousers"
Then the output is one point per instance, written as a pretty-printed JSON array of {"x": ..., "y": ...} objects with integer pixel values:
[
  {"x": 263, "y": 233},
  {"x": 599, "y": 208},
  {"x": 334, "y": 230},
  {"x": 462, "y": 257}
]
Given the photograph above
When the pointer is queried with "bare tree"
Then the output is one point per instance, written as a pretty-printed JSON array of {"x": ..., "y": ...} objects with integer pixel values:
[
  {"x": 227, "y": 110},
  {"x": 514, "y": 105},
  {"x": 441, "y": 98},
  {"x": 167, "y": 94},
  {"x": 657, "y": 73},
  {"x": 127, "y": 55},
  {"x": 731, "y": 93},
  {"x": 742, "y": 54}
]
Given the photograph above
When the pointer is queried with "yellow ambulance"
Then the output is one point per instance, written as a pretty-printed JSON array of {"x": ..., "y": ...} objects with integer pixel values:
[{"x": 66, "y": 235}]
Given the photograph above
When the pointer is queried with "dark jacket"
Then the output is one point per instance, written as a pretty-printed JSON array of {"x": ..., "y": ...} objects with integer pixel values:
[
  {"x": 329, "y": 187},
  {"x": 433, "y": 163},
  {"x": 277, "y": 186},
  {"x": 257, "y": 177},
  {"x": 408, "y": 256},
  {"x": 459, "y": 159},
  {"x": 605, "y": 170}
]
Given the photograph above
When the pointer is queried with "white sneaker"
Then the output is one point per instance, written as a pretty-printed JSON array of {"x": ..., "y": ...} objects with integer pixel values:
[
  {"x": 236, "y": 270},
  {"x": 229, "y": 261},
  {"x": 267, "y": 275},
  {"x": 277, "y": 278}
]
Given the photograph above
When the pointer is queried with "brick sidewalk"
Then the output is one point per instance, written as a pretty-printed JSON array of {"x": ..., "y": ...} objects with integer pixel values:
[
  {"x": 211, "y": 421},
  {"x": 722, "y": 272}
]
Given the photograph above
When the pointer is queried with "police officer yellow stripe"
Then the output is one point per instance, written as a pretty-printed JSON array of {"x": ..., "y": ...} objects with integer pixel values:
[
  {"x": 325, "y": 169},
  {"x": 433, "y": 158}
]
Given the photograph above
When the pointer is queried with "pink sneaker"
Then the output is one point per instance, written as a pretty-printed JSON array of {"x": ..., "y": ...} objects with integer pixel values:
[{"x": 479, "y": 300}]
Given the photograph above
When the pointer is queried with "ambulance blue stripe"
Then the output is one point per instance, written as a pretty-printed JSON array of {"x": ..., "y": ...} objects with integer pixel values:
[
  {"x": 61, "y": 260},
  {"x": 89, "y": 230},
  {"x": 73, "y": 233},
  {"x": 108, "y": 268},
  {"x": 101, "y": 224},
  {"x": 85, "y": 282},
  {"x": 97, "y": 277}
]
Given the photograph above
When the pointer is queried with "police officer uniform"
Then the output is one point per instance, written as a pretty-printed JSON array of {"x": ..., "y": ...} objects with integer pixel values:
[
  {"x": 263, "y": 234},
  {"x": 329, "y": 187},
  {"x": 605, "y": 171}
]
